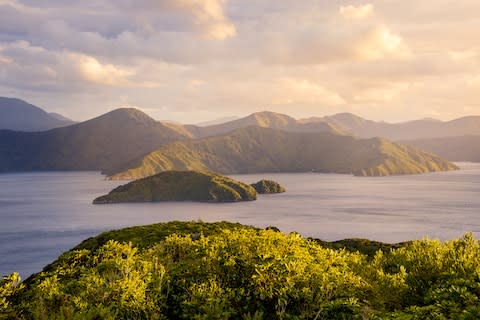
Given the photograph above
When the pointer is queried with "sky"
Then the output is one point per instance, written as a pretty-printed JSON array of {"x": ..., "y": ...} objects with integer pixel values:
[{"x": 197, "y": 60}]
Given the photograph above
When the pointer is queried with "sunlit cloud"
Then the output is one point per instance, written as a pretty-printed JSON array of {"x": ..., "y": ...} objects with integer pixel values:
[
  {"x": 185, "y": 58},
  {"x": 209, "y": 16},
  {"x": 356, "y": 12},
  {"x": 380, "y": 42},
  {"x": 94, "y": 71}
]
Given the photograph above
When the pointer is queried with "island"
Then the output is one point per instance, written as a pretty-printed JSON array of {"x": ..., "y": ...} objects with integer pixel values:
[
  {"x": 268, "y": 186},
  {"x": 181, "y": 186}
]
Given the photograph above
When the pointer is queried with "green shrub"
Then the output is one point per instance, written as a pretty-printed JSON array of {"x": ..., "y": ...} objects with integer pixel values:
[{"x": 228, "y": 271}]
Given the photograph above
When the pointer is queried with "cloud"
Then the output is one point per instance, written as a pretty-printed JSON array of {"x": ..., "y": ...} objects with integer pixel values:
[
  {"x": 380, "y": 42},
  {"x": 356, "y": 12},
  {"x": 93, "y": 71},
  {"x": 204, "y": 17},
  {"x": 223, "y": 57},
  {"x": 298, "y": 91},
  {"x": 35, "y": 66},
  {"x": 209, "y": 16}
]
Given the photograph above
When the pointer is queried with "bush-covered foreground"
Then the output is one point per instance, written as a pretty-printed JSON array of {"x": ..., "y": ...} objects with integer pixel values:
[{"x": 229, "y": 271}]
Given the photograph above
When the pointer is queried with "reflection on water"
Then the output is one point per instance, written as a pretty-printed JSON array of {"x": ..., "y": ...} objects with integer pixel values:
[{"x": 44, "y": 214}]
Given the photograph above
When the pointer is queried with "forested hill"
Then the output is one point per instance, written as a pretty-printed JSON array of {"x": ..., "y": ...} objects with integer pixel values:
[{"x": 255, "y": 149}]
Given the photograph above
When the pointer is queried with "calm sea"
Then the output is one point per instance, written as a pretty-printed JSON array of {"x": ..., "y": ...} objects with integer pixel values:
[{"x": 44, "y": 214}]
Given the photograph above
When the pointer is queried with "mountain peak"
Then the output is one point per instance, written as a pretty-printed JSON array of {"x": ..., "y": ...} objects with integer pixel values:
[
  {"x": 127, "y": 115},
  {"x": 272, "y": 119}
]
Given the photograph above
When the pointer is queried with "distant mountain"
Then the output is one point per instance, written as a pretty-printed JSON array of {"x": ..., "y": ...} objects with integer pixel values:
[
  {"x": 255, "y": 149},
  {"x": 109, "y": 140},
  {"x": 418, "y": 129},
  {"x": 265, "y": 119},
  {"x": 216, "y": 121},
  {"x": 462, "y": 148},
  {"x": 18, "y": 115},
  {"x": 60, "y": 117}
]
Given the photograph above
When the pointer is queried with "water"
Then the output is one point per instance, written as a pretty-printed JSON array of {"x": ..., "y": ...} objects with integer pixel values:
[{"x": 44, "y": 214}]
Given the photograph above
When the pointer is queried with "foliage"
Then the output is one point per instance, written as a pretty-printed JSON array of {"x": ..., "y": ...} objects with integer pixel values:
[
  {"x": 268, "y": 186},
  {"x": 364, "y": 246},
  {"x": 228, "y": 271},
  {"x": 181, "y": 186},
  {"x": 9, "y": 286}
]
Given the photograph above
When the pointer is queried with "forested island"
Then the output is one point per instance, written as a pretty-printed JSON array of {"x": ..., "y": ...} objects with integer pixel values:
[
  {"x": 181, "y": 186},
  {"x": 195, "y": 270}
]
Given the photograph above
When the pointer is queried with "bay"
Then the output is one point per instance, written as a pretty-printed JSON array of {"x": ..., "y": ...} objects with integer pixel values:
[{"x": 45, "y": 213}]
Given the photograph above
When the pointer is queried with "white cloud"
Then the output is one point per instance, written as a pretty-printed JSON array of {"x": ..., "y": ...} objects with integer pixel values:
[
  {"x": 380, "y": 42},
  {"x": 356, "y": 12},
  {"x": 93, "y": 71}
]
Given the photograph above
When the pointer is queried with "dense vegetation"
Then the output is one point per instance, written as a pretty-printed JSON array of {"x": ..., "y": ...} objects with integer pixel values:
[
  {"x": 181, "y": 186},
  {"x": 268, "y": 186},
  {"x": 228, "y": 271},
  {"x": 255, "y": 150}
]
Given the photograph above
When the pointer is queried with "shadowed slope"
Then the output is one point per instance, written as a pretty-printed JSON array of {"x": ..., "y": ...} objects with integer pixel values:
[{"x": 109, "y": 140}]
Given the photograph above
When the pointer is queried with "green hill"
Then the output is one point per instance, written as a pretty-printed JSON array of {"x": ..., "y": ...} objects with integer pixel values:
[
  {"x": 109, "y": 140},
  {"x": 185, "y": 270},
  {"x": 255, "y": 149},
  {"x": 180, "y": 186}
]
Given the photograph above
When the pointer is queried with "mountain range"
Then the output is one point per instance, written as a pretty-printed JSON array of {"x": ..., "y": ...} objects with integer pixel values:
[
  {"x": 18, "y": 115},
  {"x": 124, "y": 138},
  {"x": 418, "y": 129},
  {"x": 256, "y": 149}
]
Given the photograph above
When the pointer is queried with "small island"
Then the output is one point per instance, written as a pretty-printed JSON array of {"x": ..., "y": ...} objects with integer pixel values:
[
  {"x": 267, "y": 187},
  {"x": 181, "y": 186}
]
